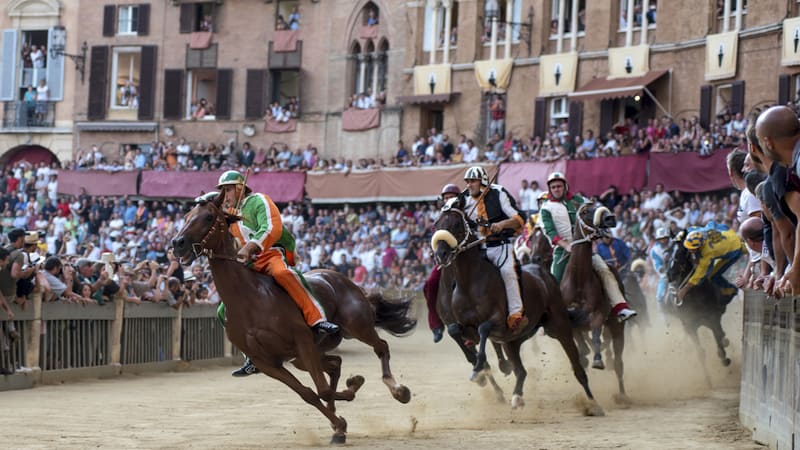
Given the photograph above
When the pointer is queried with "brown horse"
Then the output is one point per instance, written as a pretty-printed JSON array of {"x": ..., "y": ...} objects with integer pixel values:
[
  {"x": 477, "y": 306},
  {"x": 581, "y": 288},
  {"x": 534, "y": 249},
  {"x": 264, "y": 322}
]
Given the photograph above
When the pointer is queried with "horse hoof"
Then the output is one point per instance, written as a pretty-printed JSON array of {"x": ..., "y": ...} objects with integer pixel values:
[
  {"x": 402, "y": 394},
  {"x": 506, "y": 367},
  {"x": 339, "y": 439},
  {"x": 593, "y": 410},
  {"x": 584, "y": 362},
  {"x": 726, "y": 362},
  {"x": 354, "y": 383},
  {"x": 598, "y": 364},
  {"x": 725, "y": 342},
  {"x": 479, "y": 378},
  {"x": 517, "y": 401},
  {"x": 622, "y": 400}
]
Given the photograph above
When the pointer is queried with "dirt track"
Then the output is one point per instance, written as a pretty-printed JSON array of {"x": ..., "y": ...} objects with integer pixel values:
[{"x": 209, "y": 409}]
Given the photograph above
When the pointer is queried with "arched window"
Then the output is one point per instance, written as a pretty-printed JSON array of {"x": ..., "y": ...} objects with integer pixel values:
[
  {"x": 369, "y": 69},
  {"x": 370, "y": 14},
  {"x": 383, "y": 68},
  {"x": 355, "y": 68}
]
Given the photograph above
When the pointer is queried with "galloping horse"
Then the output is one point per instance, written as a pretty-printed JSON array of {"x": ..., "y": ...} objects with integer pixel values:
[
  {"x": 264, "y": 322},
  {"x": 478, "y": 303},
  {"x": 536, "y": 248},
  {"x": 581, "y": 288},
  {"x": 703, "y": 305}
]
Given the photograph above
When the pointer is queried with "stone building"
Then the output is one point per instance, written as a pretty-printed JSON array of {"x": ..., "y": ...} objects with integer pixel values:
[{"x": 590, "y": 63}]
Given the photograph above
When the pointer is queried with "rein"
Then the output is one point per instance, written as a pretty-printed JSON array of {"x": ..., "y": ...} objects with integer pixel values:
[
  {"x": 464, "y": 245},
  {"x": 199, "y": 248}
]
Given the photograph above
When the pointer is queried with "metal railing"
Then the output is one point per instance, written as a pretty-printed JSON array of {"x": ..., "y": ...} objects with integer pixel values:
[{"x": 21, "y": 114}]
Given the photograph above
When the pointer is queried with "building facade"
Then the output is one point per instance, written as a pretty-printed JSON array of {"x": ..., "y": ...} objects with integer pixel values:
[{"x": 592, "y": 64}]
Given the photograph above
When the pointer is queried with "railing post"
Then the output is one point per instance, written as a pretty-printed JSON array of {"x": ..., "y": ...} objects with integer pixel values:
[
  {"x": 176, "y": 334},
  {"x": 116, "y": 331},
  {"x": 33, "y": 335}
]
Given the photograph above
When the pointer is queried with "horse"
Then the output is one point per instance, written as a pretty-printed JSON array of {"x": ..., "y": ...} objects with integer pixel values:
[
  {"x": 265, "y": 324},
  {"x": 703, "y": 305},
  {"x": 535, "y": 249},
  {"x": 582, "y": 288},
  {"x": 477, "y": 305}
]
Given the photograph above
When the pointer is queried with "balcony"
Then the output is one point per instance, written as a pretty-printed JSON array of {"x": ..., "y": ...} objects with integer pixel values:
[{"x": 20, "y": 114}]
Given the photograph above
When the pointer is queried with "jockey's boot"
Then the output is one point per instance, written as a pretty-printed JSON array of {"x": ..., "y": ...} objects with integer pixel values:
[
  {"x": 516, "y": 321},
  {"x": 438, "y": 333},
  {"x": 325, "y": 327},
  {"x": 247, "y": 369}
]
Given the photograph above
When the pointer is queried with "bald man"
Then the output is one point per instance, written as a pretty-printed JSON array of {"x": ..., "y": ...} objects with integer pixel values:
[{"x": 778, "y": 132}]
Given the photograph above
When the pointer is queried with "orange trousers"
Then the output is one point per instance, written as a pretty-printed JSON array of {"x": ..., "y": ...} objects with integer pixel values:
[{"x": 272, "y": 262}]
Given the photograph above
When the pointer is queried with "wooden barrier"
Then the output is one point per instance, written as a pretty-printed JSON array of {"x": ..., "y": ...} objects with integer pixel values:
[{"x": 770, "y": 387}]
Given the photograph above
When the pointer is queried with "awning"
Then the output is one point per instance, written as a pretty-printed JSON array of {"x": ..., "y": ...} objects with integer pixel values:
[
  {"x": 427, "y": 99},
  {"x": 603, "y": 88},
  {"x": 116, "y": 126}
]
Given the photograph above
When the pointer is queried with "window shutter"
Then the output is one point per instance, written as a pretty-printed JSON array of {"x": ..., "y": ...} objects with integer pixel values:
[
  {"x": 173, "y": 93},
  {"x": 147, "y": 82},
  {"x": 575, "y": 119},
  {"x": 55, "y": 73},
  {"x": 606, "y": 117},
  {"x": 224, "y": 93},
  {"x": 737, "y": 97},
  {"x": 98, "y": 74},
  {"x": 143, "y": 28},
  {"x": 539, "y": 116},
  {"x": 784, "y": 89},
  {"x": 8, "y": 68},
  {"x": 109, "y": 20},
  {"x": 187, "y": 18},
  {"x": 705, "y": 105},
  {"x": 254, "y": 94}
]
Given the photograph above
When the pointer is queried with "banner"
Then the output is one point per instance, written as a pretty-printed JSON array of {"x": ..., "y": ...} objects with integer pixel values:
[
  {"x": 512, "y": 174},
  {"x": 282, "y": 187},
  {"x": 284, "y": 41},
  {"x": 594, "y": 176},
  {"x": 432, "y": 79},
  {"x": 360, "y": 119},
  {"x": 628, "y": 61},
  {"x": 557, "y": 73},
  {"x": 689, "y": 172},
  {"x": 791, "y": 42},
  {"x": 97, "y": 182},
  {"x": 497, "y": 69},
  {"x": 273, "y": 126},
  {"x": 200, "y": 40},
  {"x": 721, "y": 52}
]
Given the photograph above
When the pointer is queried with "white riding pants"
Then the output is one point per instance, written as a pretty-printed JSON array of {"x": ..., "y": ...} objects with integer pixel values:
[
  {"x": 502, "y": 256},
  {"x": 610, "y": 284}
]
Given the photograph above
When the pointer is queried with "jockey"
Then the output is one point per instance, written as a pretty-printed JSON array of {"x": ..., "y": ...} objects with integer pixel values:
[
  {"x": 716, "y": 248},
  {"x": 431, "y": 287},
  {"x": 264, "y": 242},
  {"x": 659, "y": 256},
  {"x": 558, "y": 216},
  {"x": 495, "y": 210},
  {"x": 615, "y": 252}
]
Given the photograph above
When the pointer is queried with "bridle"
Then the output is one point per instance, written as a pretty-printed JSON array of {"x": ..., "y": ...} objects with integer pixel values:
[
  {"x": 199, "y": 248},
  {"x": 464, "y": 244},
  {"x": 594, "y": 234}
]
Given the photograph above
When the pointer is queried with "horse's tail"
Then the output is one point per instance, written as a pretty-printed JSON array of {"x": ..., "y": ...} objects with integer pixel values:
[{"x": 392, "y": 316}]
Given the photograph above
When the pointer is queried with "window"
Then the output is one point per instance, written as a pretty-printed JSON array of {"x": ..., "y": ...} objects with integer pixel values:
[
  {"x": 502, "y": 20},
  {"x": 34, "y": 55},
  {"x": 559, "y": 111},
  {"x": 284, "y": 85},
  {"x": 440, "y": 19},
  {"x": 201, "y": 93},
  {"x": 726, "y": 17},
  {"x": 732, "y": 11},
  {"x": 288, "y": 15},
  {"x": 370, "y": 14},
  {"x": 638, "y": 14},
  {"x": 197, "y": 17},
  {"x": 128, "y": 19},
  {"x": 724, "y": 96},
  {"x": 566, "y": 19},
  {"x": 125, "y": 70}
]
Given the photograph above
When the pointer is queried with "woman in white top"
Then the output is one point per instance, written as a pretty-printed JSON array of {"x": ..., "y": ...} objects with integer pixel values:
[{"x": 42, "y": 96}]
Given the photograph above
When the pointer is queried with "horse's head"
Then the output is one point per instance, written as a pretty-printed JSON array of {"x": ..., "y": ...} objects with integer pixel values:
[
  {"x": 206, "y": 225},
  {"x": 593, "y": 221},
  {"x": 681, "y": 260},
  {"x": 453, "y": 231}
]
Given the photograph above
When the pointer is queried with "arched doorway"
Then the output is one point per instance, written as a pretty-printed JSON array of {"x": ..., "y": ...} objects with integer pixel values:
[{"x": 33, "y": 154}]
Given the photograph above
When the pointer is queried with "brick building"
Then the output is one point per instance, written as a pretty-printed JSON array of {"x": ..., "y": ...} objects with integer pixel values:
[{"x": 593, "y": 63}]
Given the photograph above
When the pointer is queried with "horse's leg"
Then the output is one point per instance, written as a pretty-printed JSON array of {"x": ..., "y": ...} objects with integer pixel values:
[
  {"x": 520, "y": 373},
  {"x": 456, "y": 331},
  {"x": 481, "y": 370},
  {"x": 281, "y": 374},
  {"x": 369, "y": 336},
  {"x": 691, "y": 330},
  {"x": 579, "y": 336},
  {"x": 719, "y": 337},
  {"x": 618, "y": 340},
  {"x": 597, "y": 363},
  {"x": 333, "y": 367},
  {"x": 505, "y": 366}
]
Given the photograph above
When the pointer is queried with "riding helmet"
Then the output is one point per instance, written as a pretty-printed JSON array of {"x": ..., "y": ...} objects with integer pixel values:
[
  {"x": 694, "y": 240},
  {"x": 477, "y": 173}
]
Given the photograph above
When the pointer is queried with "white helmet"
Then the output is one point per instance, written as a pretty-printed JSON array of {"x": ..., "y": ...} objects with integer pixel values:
[
  {"x": 662, "y": 233},
  {"x": 477, "y": 173}
]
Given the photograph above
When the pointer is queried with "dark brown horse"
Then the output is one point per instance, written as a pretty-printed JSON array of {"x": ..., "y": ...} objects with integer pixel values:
[
  {"x": 264, "y": 322},
  {"x": 536, "y": 248},
  {"x": 704, "y": 305},
  {"x": 582, "y": 289},
  {"x": 477, "y": 306}
]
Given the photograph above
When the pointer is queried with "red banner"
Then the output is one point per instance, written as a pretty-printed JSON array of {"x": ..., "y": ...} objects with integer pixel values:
[
  {"x": 200, "y": 40},
  {"x": 594, "y": 176},
  {"x": 282, "y": 187},
  {"x": 368, "y": 32},
  {"x": 689, "y": 172},
  {"x": 284, "y": 40},
  {"x": 97, "y": 182},
  {"x": 360, "y": 119},
  {"x": 272, "y": 126}
]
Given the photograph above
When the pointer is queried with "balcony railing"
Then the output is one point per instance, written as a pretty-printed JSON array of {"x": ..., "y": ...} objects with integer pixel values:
[{"x": 21, "y": 114}]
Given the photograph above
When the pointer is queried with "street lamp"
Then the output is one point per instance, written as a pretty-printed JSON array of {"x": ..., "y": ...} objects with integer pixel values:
[{"x": 58, "y": 42}]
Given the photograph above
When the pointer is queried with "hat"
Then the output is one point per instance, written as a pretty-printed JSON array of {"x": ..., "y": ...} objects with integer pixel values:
[
  {"x": 31, "y": 237},
  {"x": 83, "y": 262},
  {"x": 188, "y": 275}
]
